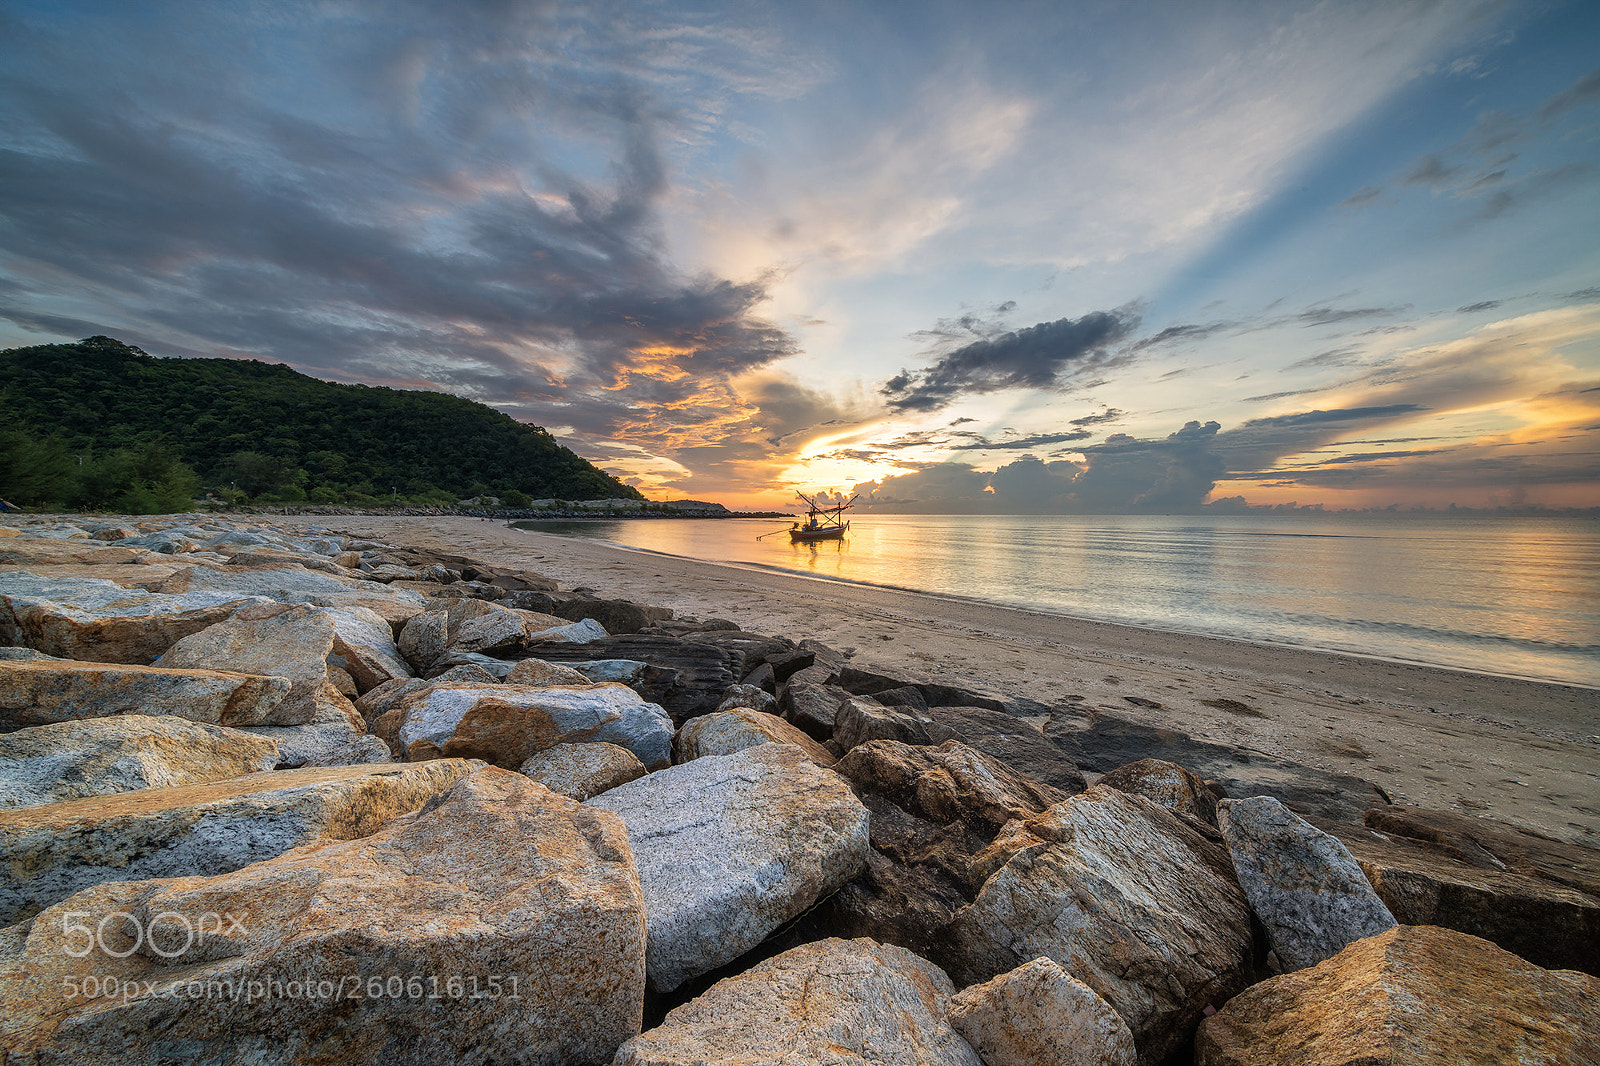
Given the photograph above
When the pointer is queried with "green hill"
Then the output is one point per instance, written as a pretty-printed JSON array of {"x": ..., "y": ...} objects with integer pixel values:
[{"x": 100, "y": 424}]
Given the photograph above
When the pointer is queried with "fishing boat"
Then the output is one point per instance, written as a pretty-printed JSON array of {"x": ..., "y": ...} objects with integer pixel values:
[{"x": 821, "y": 523}]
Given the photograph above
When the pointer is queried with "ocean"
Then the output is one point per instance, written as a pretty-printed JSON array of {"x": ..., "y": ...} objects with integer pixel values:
[{"x": 1518, "y": 596}]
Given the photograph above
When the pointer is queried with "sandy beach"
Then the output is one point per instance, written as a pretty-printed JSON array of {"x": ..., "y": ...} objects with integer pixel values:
[{"x": 1518, "y": 751}]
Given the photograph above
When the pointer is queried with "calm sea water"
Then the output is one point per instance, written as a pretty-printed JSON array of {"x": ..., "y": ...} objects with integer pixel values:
[{"x": 1516, "y": 596}]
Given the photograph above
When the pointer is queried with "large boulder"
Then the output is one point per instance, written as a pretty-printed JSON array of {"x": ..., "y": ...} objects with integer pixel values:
[
  {"x": 730, "y": 847},
  {"x": 277, "y": 640},
  {"x": 101, "y": 756},
  {"x": 1416, "y": 994},
  {"x": 1535, "y": 897},
  {"x": 363, "y": 645},
  {"x": 580, "y": 771},
  {"x": 847, "y": 1002},
  {"x": 270, "y": 581},
  {"x": 93, "y": 620},
  {"x": 53, "y": 851},
  {"x": 1309, "y": 893},
  {"x": 502, "y": 923},
  {"x": 686, "y": 677},
  {"x": 1129, "y": 899},
  {"x": 724, "y": 732},
  {"x": 1039, "y": 1013},
  {"x": 506, "y": 724},
  {"x": 42, "y": 691}
]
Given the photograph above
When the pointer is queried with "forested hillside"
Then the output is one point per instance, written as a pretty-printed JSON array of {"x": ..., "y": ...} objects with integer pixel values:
[{"x": 101, "y": 424}]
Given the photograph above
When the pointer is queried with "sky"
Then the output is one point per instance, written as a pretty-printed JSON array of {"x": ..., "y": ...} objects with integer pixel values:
[{"x": 954, "y": 257}]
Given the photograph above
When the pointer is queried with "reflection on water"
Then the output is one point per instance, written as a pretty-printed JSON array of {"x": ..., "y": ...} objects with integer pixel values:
[{"x": 1506, "y": 595}]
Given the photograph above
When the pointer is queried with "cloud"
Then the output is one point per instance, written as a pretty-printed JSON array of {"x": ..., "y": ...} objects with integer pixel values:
[
  {"x": 1034, "y": 441},
  {"x": 1585, "y": 91},
  {"x": 1110, "y": 414},
  {"x": 1031, "y": 358},
  {"x": 1175, "y": 334},
  {"x": 466, "y": 200}
]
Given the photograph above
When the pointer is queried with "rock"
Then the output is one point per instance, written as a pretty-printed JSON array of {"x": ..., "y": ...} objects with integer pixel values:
[
  {"x": 1038, "y": 1013},
  {"x": 100, "y": 756},
  {"x": 580, "y": 771},
  {"x": 275, "y": 640},
  {"x": 689, "y": 676},
  {"x": 1524, "y": 892},
  {"x": 363, "y": 644},
  {"x": 502, "y": 923},
  {"x": 39, "y": 692},
  {"x": 615, "y": 616},
  {"x": 364, "y": 750},
  {"x": 1019, "y": 744},
  {"x": 312, "y": 742},
  {"x": 948, "y": 783},
  {"x": 1418, "y": 995},
  {"x": 1168, "y": 784},
  {"x": 267, "y": 581},
  {"x": 469, "y": 625},
  {"x": 1309, "y": 893},
  {"x": 813, "y": 708},
  {"x": 628, "y": 672},
  {"x": 207, "y": 829},
  {"x": 933, "y": 811},
  {"x": 585, "y": 632},
  {"x": 537, "y": 672},
  {"x": 1128, "y": 899},
  {"x": 859, "y": 720},
  {"x": 751, "y": 696},
  {"x": 396, "y": 609},
  {"x": 37, "y": 551},
  {"x": 849, "y": 1002},
  {"x": 725, "y": 732},
  {"x": 506, "y": 724},
  {"x": 769, "y": 833},
  {"x": 906, "y": 696},
  {"x": 764, "y": 679},
  {"x": 93, "y": 620},
  {"x": 1102, "y": 742}
]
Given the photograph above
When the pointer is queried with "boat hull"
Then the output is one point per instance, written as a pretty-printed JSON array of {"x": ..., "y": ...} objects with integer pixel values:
[{"x": 826, "y": 533}]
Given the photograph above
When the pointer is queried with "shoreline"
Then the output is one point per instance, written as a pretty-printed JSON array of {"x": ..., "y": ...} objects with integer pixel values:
[
  {"x": 1516, "y": 750},
  {"x": 973, "y": 601}
]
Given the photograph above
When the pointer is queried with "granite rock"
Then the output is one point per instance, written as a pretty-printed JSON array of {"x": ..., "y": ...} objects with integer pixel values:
[
  {"x": 1039, "y": 1013},
  {"x": 1168, "y": 784},
  {"x": 39, "y": 692},
  {"x": 1415, "y": 994},
  {"x": 724, "y": 732},
  {"x": 581, "y": 771},
  {"x": 63, "y": 848},
  {"x": 506, "y": 724},
  {"x": 1310, "y": 895},
  {"x": 101, "y": 756},
  {"x": 845, "y": 1002},
  {"x": 1127, "y": 898},
  {"x": 501, "y": 923},
  {"x": 730, "y": 847}
]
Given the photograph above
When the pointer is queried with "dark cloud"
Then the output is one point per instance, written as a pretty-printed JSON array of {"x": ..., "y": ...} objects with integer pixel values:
[
  {"x": 1033, "y": 358},
  {"x": 1585, "y": 91},
  {"x": 1327, "y": 316},
  {"x": 1361, "y": 197},
  {"x": 1373, "y": 457},
  {"x": 1175, "y": 334},
  {"x": 1335, "y": 357},
  {"x": 1431, "y": 171},
  {"x": 1110, "y": 414},
  {"x": 443, "y": 198},
  {"x": 1034, "y": 441}
]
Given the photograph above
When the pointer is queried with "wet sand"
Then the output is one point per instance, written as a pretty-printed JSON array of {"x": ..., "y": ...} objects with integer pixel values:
[{"x": 1518, "y": 751}]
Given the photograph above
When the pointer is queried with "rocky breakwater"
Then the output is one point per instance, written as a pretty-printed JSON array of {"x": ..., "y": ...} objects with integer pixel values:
[{"x": 304, "y": 798}]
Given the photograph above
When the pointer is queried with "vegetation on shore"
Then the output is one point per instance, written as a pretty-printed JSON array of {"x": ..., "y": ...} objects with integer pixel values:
[{"x": 102, "y": 425}]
